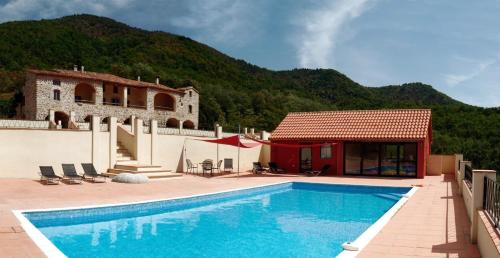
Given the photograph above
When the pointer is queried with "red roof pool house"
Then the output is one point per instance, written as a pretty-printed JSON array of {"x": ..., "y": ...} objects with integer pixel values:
[{"x": 393, "y": 143}]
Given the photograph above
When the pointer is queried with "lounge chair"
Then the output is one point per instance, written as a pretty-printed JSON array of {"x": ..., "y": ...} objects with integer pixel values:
[
  {"x": 218, "y": 167},
  {"x": 91, "y": 174},
  {"x": 191, "y": 166},
  {"x": 323, "y": 170},
  {"x": 228, "y": 165},
  {"x": 273, "y": 168},
  {"x": 207, "y": 165},
  {"x": 257, "y": 168},
  {"x": 70, "y": 174},
  {"x": 47, "y": 174}
]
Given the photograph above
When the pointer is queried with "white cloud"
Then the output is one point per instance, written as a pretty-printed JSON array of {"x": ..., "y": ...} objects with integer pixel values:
[
  {"x": 455, "y": 79},
  {"x": 320, "y": 30},
  {"x": 39, "y": 9},
  {"x": 226, "y": 21}
]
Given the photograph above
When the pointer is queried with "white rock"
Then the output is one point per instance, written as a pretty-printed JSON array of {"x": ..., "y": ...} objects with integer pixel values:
[{"x": 130, "y": 178}]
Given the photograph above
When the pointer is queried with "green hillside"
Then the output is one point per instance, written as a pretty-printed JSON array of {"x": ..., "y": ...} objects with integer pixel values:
[{"x": 232, "y": 91}]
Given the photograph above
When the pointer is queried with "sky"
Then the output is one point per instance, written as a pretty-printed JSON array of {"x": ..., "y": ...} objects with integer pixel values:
[{"x": 453, "y": 45}]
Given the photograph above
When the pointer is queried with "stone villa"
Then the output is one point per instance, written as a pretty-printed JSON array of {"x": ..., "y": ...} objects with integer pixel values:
[{"x": 75, "y": 95}]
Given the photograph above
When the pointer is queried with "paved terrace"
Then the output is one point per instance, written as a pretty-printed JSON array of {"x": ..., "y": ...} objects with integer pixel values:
[{"x": 433, "y": 223}]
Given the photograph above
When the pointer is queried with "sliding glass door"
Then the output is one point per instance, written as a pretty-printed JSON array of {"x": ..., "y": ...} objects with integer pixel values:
[
  {"x": 380, "y": 159},
  {"x": 353, "y": 154},
  {"x": 389, "y": 159},
  {"x": 408, "y": 159},
  {"x": 370, "y": 159}
]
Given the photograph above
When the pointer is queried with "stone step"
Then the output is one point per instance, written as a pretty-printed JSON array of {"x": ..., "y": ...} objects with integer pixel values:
[
  {"x": 137, "y": 167},
  {"x": 153, "y": 175},
  {"x": 119, "y": 155},
  {"x": 124, "y": 158},
  {"x": 132, "y": 162}
]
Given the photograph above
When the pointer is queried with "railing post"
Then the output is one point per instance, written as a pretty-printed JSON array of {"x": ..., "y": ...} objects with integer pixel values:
[
  {"x": 139, "y": 135},
  {"x": 462, "y": 174},
  {"x": 112, "y": 141},
  {"x": 477, "y": 197},
  {"x": 96, "y": 128},
  {"x": 132, "y": 123},
  {"x": 153, "y": 129}
]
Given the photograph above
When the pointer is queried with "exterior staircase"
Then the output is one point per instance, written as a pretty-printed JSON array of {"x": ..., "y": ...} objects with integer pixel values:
[{"x": 126, "y": 163}]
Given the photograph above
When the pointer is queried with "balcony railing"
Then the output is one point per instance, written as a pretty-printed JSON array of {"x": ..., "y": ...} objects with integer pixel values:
[
  {"x": 491, "y": 200},
  {"x": 83, "y": 126},
  {"x": 164, "y": 108},
  {"x": 85, "y": 101},
  {"x": 468, "y": 175},
  {"x": 189, "y": 132},
  {"x": 136, "y": 106},
  {"x": 24, "y": 124}
]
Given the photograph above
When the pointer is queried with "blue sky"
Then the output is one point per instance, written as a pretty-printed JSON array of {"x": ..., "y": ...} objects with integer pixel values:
[{"x": 453, "y": 45}]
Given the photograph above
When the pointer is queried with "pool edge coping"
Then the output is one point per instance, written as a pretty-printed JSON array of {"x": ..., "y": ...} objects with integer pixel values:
[
  {"x": 367, "y": 236},
  {"x": 50, "y": 250}
]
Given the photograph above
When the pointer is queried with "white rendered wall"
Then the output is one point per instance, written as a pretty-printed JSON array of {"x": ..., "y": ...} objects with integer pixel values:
[{"x": 22, "y": 151}]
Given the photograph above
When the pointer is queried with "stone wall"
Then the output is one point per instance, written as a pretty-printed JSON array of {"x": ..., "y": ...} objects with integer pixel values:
[{"x": 39, "y": 100}]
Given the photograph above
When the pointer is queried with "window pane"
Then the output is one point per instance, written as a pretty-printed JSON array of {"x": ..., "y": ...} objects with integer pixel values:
[
  {"x": 370, "y": 159},
  {"x": 326, "y": 151},
  {"x": 389, "y": 162},
  {"x": 305, "y": 159},
  {"x": 353, "y": 158},
  {"x": 408, "y": 159}
]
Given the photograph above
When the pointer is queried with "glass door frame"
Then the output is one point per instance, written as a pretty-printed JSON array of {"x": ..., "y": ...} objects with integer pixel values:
[
  {"x": 379, "y": 174},
  {"x": 301, "y": 169}
]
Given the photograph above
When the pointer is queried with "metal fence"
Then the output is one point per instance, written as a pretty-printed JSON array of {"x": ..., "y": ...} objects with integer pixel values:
[
  {"x": 468, "y": 175},
  {"x": 490, "y": 200}
]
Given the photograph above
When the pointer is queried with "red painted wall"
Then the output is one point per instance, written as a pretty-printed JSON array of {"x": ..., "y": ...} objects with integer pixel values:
[{"x": 288, "y": 158}]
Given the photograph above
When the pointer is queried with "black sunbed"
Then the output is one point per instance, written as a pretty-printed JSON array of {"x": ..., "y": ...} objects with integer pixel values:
[
  {"x": 47, "y": 174},
  {"x": 257, "y": 168},
  {"x": 91, "y": 173},
  {"x": 273, "y": 168},
  {"x": 323, "y": 170},
  {"x": 70, "y": 174}
]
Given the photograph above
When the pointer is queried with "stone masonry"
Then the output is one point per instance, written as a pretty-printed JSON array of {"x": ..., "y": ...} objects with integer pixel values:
[{"x": 42, "y": 86}]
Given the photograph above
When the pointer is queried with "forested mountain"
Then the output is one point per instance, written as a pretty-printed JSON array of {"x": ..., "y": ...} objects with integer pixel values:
[{"x": 232, "y": 91}]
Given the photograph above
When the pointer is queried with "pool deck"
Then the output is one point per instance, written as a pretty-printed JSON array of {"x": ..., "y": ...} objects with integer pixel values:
[{"x": 433, "y": 223}]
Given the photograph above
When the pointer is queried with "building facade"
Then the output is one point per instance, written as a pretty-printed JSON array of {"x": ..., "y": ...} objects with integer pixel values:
[
  {"x": 76, "y": 95},
  {"x": 393, "y": 143}
]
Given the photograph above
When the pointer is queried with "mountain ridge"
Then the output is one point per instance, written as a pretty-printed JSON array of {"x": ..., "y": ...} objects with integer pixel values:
[{"x": 233, "y": 92}]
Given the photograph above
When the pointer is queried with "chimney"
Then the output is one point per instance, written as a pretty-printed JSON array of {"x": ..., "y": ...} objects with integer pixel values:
[
  {"x": 138, "y": 78},
  {"x": 157, "y": 79},
  {"x": 75, "y": 68},
  {"x": 83, "y": 69}
]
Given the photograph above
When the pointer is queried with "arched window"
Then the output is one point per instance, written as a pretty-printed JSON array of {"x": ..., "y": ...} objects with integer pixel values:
[
  {"x": 173, "y": 123},
  {"x": 84, "y": 93},
  {"x": 188, "y": 124},
  {"x": 190, "y": 109},
  {"x": 63, "y": 117},
  {"x": 88, "y": 119},
  {"x": 164, "y": 101},
  {"x": 57, "y": 95}
]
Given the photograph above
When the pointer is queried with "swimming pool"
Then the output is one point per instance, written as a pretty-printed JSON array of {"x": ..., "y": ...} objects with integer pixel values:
[{"x": 283, "y": 220}]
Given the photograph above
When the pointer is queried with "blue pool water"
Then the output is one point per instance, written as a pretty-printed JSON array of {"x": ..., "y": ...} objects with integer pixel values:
[{"x": 285, "y": 220}]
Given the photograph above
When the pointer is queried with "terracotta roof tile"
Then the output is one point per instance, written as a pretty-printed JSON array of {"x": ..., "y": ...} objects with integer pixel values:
[
  {"x": 103, "y": 77},
  {"x": 391, "y": 125}
]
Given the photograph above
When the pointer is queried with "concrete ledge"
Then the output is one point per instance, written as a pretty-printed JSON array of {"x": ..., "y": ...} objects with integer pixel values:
[{"x": 488, "y": 239}]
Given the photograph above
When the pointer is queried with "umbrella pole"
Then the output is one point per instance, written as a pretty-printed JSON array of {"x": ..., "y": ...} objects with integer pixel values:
[{"x": 239, "y": 130}]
